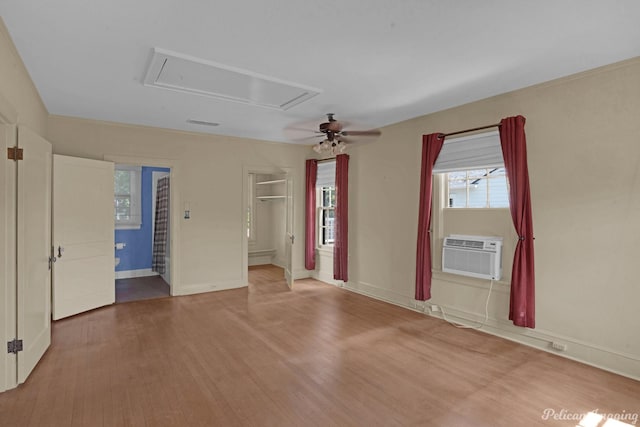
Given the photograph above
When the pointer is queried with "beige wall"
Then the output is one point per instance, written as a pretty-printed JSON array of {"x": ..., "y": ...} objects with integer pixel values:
[
  {"x": 583, "y": 135},
  {"x": 208, "y": 174},
  {"x": 16, "y": 87}
]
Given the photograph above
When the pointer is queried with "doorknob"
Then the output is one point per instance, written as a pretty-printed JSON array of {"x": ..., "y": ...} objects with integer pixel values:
[{"x": 60, "y": 250}]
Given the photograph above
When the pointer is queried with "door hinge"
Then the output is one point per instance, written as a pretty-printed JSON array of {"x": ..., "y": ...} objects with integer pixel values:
[
  {"x": 15, "y": 153},
  {"x": 14, "y": 346}
]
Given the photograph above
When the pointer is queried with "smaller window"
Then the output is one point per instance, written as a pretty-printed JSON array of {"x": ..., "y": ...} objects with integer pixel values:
[
  {"x": 127, "y": 203},
  {"x": 478, "y": 188},
  {"x": 326, "y": 215}
]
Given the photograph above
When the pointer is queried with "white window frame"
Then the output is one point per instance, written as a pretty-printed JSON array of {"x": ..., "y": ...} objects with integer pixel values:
[
  {"x": 319, "y": 215},
  {"x": 135, "y": 211},
  {"x": 468, "y": 182}
]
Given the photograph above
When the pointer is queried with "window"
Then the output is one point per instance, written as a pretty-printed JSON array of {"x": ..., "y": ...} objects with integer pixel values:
[
  {"x": 127, "y": 203},
  {"x": 250, "y": 214},
  {"x": 326, "y": 215},
  {"x": 326, "y": 202},
  {"x": 473, "y": 170},
  {"x": 478, "y": 188}
]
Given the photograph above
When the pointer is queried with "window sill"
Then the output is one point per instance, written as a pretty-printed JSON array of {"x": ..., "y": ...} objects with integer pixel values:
[
  {"x": 325, "y": 249},
  {"x": 128, "y": 227}
]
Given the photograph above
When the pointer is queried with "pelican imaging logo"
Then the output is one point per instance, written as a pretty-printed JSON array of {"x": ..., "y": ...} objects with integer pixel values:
[{"x": 592, "y": 418}]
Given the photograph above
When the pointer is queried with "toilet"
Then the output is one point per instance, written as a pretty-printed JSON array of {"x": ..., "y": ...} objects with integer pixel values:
[{"x": 119, "y": 246}]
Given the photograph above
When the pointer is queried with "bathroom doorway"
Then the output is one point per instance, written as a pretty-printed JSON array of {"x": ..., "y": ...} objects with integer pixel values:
[{"x": 142, "y": 232}]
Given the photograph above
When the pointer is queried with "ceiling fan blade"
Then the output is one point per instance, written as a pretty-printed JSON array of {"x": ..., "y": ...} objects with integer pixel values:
[
  {"x": 371, "y": 132},
  {"x": 296, "y": 133}
]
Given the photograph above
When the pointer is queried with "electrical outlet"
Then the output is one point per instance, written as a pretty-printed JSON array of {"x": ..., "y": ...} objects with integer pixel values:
[
  {"x": 558, "y": 346},
  {"x": 435, "y": 308}
]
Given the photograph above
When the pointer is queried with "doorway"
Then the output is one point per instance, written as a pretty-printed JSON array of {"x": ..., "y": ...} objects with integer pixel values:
[
  {"x": 142, "y": 230},
  {"x": 267, "y": 219}
]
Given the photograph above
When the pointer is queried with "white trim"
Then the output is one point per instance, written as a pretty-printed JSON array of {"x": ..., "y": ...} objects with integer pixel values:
[
  {"x": 154, "y": 77},
  {"x": 129, "y": 274},
  {"x": 199, "y": 288},
  {"x": 135, "y": 196},
  {"x": 302, "y": 273},
  {"x": 326, "y": 277},
  {"x": 261, "y": 256},
  {"x": 127, "y": 226},
  {"x": 385, "y": 295}
]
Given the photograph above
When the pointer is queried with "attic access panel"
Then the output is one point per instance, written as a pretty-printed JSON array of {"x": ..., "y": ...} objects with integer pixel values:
[{"x": 170, "y": 70}]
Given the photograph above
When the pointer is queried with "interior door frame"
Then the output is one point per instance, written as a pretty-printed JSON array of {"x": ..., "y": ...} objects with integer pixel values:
[
  {"x": 8, "y": 229},
  {"x": 174, "y": 212},
  {"x": 261, "y": 170},
  {"x": 289, "y": 229}
]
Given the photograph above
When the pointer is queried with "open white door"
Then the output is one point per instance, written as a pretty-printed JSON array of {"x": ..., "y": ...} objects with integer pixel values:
[
  {"x": 289, "y": 237},
  {"x": 83, "y": 239},
  {"x": 34, "y": 250}
]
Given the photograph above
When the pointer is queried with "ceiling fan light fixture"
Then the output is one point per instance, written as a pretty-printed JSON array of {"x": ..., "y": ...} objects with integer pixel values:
[
  {"x": 333, "y": 147},
  {"x": 334, "y": 132}
]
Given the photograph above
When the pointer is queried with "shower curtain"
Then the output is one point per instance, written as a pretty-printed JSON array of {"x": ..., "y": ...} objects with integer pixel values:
[{"x": 161, "y": 226}]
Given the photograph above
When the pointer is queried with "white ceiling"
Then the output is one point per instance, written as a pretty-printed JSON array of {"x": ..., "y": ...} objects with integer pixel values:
[{"x": 377, "y": 62}]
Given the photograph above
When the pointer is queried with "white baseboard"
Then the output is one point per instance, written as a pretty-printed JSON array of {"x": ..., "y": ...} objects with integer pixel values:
[
  {"x": 207, "y": 287},
  {"x": 129, "y": 274},
  {"x": 386, "y": 295},
  {"x": 260, "y": 256},
  {"x": 301, "y": 274},
  {"x": 259, "y": 260},
  {"x": 600, "y": 357},
  {"x": 580, "y": 351}
]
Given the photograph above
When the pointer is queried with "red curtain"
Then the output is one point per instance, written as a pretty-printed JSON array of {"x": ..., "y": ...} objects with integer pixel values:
[
  {"x": 310, "y": 216},
  {"x": 341, "y": 242},
  {"x": 431, "y": 146},
  {"x": 514, "y": 151}
]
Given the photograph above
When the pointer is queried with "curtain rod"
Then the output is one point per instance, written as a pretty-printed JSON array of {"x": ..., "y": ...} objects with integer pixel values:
[
  {"x": 444, "y": 135},
  {"x": 328, "y": 159}
]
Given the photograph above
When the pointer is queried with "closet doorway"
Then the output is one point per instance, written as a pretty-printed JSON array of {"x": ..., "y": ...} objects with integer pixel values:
[{"x": 268, "y": 219}]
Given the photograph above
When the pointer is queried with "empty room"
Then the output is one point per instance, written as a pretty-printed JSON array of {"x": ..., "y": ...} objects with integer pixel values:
[{"x": 291, "y": 213}]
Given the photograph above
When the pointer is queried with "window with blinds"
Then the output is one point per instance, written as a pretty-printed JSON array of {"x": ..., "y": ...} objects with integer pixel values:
[{"x": 474, "y": 169}]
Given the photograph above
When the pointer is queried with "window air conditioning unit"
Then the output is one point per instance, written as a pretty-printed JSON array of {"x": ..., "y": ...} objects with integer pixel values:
[{"x": 473, "y": 256}]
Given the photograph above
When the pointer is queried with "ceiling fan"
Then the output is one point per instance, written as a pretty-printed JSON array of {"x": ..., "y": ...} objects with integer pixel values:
[{"x": 334, "y": 135}]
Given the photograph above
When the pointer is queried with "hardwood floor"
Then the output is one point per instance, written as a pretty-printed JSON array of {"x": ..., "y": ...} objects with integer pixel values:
[
  {"x": 140, "y": 288},
  {"x": 318, "y": 355}
]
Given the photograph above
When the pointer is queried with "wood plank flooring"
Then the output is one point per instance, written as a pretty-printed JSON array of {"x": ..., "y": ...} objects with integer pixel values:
[{"x": 315, "y": 356}]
